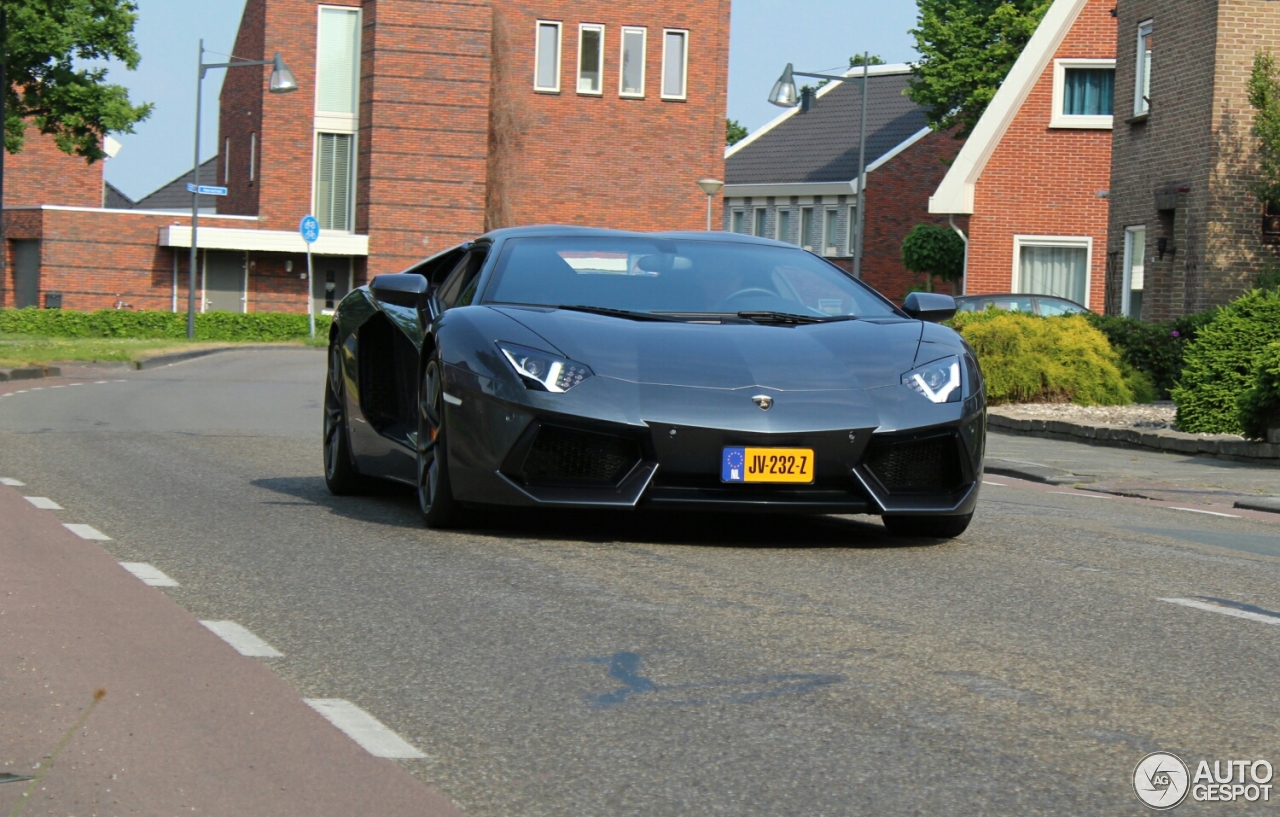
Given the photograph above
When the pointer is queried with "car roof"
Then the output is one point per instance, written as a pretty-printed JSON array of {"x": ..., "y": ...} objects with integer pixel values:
[{"x": 567, "y": 231}]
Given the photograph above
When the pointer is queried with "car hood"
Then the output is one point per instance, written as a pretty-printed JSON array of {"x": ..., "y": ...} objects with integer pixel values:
[{"x": 837, "y": 355}]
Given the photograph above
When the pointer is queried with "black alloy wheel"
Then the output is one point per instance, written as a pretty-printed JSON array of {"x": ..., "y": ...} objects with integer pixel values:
[
  {"x": 927, "y": 527},
  {"x": 435, "y": 493},
  {"x": 340, "y": 474}
]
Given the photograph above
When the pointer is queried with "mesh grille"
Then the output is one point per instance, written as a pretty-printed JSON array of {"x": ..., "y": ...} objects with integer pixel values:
[
  {"x": 565, "y": 455},
  {"x": 917, "y": 466}
]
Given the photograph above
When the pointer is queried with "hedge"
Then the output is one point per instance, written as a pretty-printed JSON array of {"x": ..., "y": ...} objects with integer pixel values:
[
  {"x": 1222, "y": 364},
  {"x": 1155, "y": 349},
  {"x": 122, "y": 323},
  {"x": 1030, "y": 359},
  {"x": 1260, "y": 405}
]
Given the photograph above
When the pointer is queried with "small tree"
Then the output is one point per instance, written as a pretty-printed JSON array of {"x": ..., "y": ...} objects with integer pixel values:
[
  {"x": 1264, "y": 96},
  {"x": 934, "y": 250},
  {"x": 734, "y": 132}
]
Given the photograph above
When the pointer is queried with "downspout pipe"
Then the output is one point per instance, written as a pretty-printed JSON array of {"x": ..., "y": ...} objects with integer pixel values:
[{"x": 964, "y": 280}]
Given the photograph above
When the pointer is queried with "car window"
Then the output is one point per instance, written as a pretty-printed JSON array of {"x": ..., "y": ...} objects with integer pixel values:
[
  {"x": 459, "y": 288},
  {"x": 968, "y": 306},
  {"x": 436, "y": 268},
  {"x": 1014, "y": 303},
  {"x": 1053, "y": 306}
]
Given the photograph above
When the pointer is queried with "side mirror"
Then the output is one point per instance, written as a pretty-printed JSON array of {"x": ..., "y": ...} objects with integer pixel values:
[
  {"x": 402, "y": 289},
  {"x": 933, "y": 307}
]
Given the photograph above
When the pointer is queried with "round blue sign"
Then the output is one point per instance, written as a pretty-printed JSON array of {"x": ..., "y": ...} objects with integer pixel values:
[{"x": 310, "y": 229}]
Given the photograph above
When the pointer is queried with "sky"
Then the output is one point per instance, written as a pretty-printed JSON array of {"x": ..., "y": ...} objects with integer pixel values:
[{"x": 815, "y": 35}]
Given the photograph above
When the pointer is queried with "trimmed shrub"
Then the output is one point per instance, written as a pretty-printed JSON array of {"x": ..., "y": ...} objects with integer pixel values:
[
  {"x": 1223, "y": 361},
  {"x": 1260, "y": 405},
  {"x": 1155, "y": 349},
  {"x": 120, "y": 323},
  {"x": 1030, "y": 359}
]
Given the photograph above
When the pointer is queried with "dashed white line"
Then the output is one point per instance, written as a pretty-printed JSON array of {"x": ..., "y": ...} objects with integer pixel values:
[
  {"x": 99, "y": 382},
  {"x": 86, "y": 532},
  {"x": 1223, "y": 609},
  {"x": 43, "y": 502},
  {"x": 149, "y": 574},
  {"x": 997, "y": 484},
  {"x": 11, "y": 482},
  {"x": 244, "y": 642},
  {"x": 1210, "y": 513},
  {"x": 75, "y": 384},
  {"x": 1077, "y": 493},
  {"x": 363, "y": 728},
  {"x": 63, "y": 386}
]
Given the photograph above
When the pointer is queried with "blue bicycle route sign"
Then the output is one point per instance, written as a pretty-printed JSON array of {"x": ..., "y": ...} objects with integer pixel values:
[{"x": 310, "y": 229}]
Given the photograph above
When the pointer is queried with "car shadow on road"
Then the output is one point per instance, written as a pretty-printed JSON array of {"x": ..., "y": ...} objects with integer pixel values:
[{"x": 395, "y": 505}]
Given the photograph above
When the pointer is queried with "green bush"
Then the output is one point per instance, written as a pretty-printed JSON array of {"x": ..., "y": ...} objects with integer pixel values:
[
  {"x": 122, "y": 323},
  {"x": 1260, "y": 405},
  {"x": 1222, "y": 363},
  {"x": 1030, "y": 359},
  {"x": 1155, "y": 349}
]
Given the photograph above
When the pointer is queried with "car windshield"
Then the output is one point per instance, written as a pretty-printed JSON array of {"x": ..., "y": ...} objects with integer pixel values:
[{"x": 676, "y": 277}]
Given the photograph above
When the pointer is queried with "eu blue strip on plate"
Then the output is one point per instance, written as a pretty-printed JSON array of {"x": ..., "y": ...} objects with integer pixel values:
[{"x": 732, "y": 467}]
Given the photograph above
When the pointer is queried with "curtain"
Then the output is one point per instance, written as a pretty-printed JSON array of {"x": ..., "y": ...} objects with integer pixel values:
[
  {"x": 337, "y": 74},
  {"x": 1059, "y": 271},
  {"x": 1089, "y": 92}
]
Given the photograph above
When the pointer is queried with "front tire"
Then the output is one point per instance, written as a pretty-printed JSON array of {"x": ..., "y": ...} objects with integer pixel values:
[
  {"x": 340, "y": 474},
  {"x": 435, "y": 491},
  {"x": 930, "y": 527}
]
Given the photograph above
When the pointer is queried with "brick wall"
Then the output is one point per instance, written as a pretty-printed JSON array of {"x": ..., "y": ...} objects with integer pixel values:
[
  {"x": 42, "y": 174},
  {"x": 1045, "y": 181},
  {"x": 240, "y": 117}
]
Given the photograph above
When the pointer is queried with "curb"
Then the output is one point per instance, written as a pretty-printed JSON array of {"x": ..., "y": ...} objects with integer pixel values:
[
  {"x": 1032, "y": 472},
  {"x": 180, "y": 357},
  {"x": 1222, "y": 446},
  {"x": 29, "y": 373},
  {"x": 1270, "y": 504}
]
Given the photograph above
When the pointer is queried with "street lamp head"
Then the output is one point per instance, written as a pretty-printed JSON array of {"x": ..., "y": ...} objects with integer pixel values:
[
  {"x": 710, "y": 186},
  {"x": 282, "y": 81},
  {"x": 784, "y": 90}
]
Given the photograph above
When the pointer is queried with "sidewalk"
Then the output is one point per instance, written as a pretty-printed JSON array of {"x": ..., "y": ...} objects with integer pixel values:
[{"x": 188, "y": 725}]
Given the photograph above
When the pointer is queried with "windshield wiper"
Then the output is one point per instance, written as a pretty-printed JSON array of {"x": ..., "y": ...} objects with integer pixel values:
[
  {"x": 791, "y": 319},
  {"x": 618, "y": 313}
]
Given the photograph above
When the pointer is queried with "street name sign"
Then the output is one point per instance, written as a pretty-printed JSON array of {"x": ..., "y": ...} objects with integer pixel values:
[{"x": 206, "y": 190}]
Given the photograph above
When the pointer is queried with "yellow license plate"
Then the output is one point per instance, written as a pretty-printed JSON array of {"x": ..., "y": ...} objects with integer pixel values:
[{"x": 794, "y": 465}]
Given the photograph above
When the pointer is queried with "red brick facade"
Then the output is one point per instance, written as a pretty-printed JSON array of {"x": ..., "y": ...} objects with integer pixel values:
[
  {"x": 43, "y": 174},
  {"x": 1046, "y": 181}
]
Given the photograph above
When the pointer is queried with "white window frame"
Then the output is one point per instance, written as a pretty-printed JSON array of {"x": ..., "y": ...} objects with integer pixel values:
[
  {"x": 1058, "y": 119},
  {"x": 328, "y": 121},
  {"x": 597, "y": 27},
  {"x": 1069, "y": 241},
  {"x": 1126, "y": 272},
  {"x": 829, "y": 248},
  {"x": 537, "y": 55},
  {"x": 1141, "y": 75},
  {"x": 644, "y": 60},
  {"x": 806, "y": 239},
  {"x": 777, "y": 223},
  {"x": 684, "y": 68}
]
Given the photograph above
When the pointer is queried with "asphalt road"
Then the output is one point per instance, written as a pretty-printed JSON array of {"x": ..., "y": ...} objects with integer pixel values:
[{"x": 634, "y": 665}]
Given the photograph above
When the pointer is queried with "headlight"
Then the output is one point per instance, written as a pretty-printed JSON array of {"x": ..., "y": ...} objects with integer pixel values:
[
  {"x": 543, "y": 370},
  {"x": 939, "y": 381}
]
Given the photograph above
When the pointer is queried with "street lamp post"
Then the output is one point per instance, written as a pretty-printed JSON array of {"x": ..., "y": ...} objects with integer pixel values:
[
  {"x": 710, "y": 187},
  {"x": 282, "y": 82},
  {"x": 784, "y": 95}
]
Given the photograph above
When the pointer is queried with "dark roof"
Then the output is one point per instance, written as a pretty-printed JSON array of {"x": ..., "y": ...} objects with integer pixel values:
[
  {"x": 822, "y": 145},
  {"x": 113, "y": 199},
  {"x": 174, "y": 195}
]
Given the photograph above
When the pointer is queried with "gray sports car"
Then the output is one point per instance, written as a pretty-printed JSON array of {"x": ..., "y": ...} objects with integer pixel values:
[{"x": 565, "y": 367}]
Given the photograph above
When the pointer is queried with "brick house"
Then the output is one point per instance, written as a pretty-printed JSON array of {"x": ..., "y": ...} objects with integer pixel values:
[
  {"x": 796, "y": 178},
  {"x": 1186, "y": 233},
  {"x": 1033, "y": 176},
  {"x": 420, "y": 124}
]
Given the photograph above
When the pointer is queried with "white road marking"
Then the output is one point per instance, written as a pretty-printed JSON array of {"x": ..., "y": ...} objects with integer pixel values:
[
  {"x": 58, "y": 387},
  {"x": 997, "y": 484},
  {"x": 19, "y": 391},
  {"x": 1210, "y": 513},
  {"x": 75, "y": 384},
  {"x": 148, "y": 574},
  {"x": 244, "y": 642},
  {"x": 86, "y": 532},
  {"x": 11, "y": 482},
  {"x": 1210, "y": 607},
  {"x": 363, "y": 728},
  {"x": 43, "y": 503},
  {"x": 1086, "y": 496},
  {"x": 451, "y": 400},
  {"x": 99, "y": 382}
]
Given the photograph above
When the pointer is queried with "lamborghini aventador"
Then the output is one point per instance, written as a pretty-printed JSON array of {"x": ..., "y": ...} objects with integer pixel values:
[{"x": 563, "y": 367}]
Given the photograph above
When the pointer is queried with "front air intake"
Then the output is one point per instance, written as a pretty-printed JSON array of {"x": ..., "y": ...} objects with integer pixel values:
[
  {"x": 573, "y": 457},
  {"x": 916, "y": 466}
]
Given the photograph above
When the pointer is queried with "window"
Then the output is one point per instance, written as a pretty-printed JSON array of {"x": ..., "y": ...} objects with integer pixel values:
[
  {"x": 783, "y": 227},
  {"x": 253, "y": 155},
  {"x": 590, "y": 59},
  {"x": 1142, "y": 88},
  {"x": 226, "y": 161},
  {"x": 806, "y": 227},
  {"x": 1083, "y": 93},
  {"x": 675, "y": 63},
  {"x": 546, "y": 73},
  {"x": 761, "y": 217},
  {"x": 335, "y": 157},
  {"x": 739, "y": 223},
  {"x": 1135, "y": 256},
  {"x": 1052, "y": 265},
  {"x": 338, "y": 61},
  {"x": 631, "y": 81},
  {"x": 853, "y": 229},
  {"x": 830, "y": 224}
]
